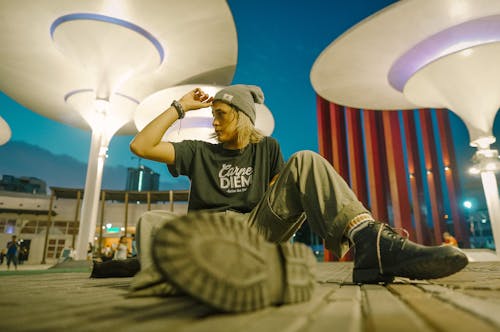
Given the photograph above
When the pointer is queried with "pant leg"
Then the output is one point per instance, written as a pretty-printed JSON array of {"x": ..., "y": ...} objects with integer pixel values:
[
  {"x": 308, "y": 188},
  {"x": 146, "y": 227}
]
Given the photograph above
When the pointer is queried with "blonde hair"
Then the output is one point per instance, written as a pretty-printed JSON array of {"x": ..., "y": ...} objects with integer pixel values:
[{"x": 245, "y": 129}]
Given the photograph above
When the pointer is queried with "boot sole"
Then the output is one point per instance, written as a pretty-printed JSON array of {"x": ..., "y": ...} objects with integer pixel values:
[
  {"x": 230, "y": 266},
  {"x": 420, "y": 268}
]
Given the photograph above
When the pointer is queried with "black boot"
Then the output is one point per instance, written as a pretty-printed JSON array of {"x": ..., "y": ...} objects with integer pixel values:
[{"x": 381, "y": 254}]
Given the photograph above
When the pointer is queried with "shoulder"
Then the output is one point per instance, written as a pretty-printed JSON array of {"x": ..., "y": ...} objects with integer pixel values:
[
  {"x": 192, "y": 142},
  {"x": 194, "y": 145},
  {"x": 269, "y": 141}
]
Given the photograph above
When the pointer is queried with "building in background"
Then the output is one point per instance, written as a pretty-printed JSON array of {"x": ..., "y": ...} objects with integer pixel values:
[
  {"x": 23, "y": 184},
  {"x": 46, "y": 224},
  {"x": 142, "y": 178}
]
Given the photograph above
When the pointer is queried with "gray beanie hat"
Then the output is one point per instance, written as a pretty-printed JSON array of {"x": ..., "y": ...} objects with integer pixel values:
[{"x": 243, "y": 97}]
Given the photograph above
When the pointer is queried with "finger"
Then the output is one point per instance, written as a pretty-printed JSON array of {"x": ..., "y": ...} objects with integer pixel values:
[
  {"x": 207, "y": 99},
  {"x": 202, "y": 95}
]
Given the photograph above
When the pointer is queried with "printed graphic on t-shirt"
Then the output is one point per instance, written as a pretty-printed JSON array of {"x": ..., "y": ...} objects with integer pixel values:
[{"x": 234, "y": 179}]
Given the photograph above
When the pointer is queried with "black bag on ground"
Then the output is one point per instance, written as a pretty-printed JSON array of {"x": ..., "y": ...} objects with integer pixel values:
[{"x": 116, "y": 268}]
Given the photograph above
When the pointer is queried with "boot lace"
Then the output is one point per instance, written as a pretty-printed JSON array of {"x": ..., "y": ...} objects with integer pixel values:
[{"x": 394, "y": 234}]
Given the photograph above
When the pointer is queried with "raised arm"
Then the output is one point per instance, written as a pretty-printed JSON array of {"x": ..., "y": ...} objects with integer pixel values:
[{"x": 147, "y": 143}]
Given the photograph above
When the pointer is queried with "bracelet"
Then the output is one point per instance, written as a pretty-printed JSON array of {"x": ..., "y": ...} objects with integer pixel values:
[{"x": 178, "y": 108}]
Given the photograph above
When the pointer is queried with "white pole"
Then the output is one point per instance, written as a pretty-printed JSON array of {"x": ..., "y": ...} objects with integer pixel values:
[
  {"x": 90, "y": 203},
  {"x": 490, "y": 187}
]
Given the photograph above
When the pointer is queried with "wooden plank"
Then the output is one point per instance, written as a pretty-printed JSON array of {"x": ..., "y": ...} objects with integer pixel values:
[
  {"x": 338, "y": 272},
  {"x": 290, "y": 318},
  {"x": 385, "y": 312},
  {"x": 486, "y": 294},
  {"x": 225, "y": 322},
  {"x": 172, "y": 314},
  {"x": 488, "y": 310},
  {"x": 341, "y": 312},
  {"x": 441, "y": 315}
]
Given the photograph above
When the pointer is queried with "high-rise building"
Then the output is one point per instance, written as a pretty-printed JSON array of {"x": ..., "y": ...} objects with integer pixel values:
[
  {"x": 23, "y": 184},
  {"x": 142, "y": 178}
]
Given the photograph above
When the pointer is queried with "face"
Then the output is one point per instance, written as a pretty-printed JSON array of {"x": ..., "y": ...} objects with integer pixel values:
[{"x": 224, "y": 123}]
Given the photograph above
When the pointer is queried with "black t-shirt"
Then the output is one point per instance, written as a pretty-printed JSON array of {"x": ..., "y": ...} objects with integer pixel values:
[{"x": 224, "y": 179}]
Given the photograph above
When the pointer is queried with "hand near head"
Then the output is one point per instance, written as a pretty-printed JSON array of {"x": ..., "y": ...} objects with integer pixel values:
[
  {"x": 195, "y": 99},
  {"x": 148, "y": 144}
]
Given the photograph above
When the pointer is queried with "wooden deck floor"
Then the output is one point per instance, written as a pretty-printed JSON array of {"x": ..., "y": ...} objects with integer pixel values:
[{"x": 49, "y": 301}]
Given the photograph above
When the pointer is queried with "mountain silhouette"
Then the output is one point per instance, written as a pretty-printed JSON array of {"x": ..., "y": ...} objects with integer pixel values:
[{"x": 19, "y": 158}]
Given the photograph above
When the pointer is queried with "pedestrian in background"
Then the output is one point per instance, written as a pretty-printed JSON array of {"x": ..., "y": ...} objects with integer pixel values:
[
  {"x": 134, "y": 246},
  {"x": 2, "y": 255},
  {"x": 121, "y": 252},
  {"x": 449, "y": 239},
  {"x": 12, "y": 252}
]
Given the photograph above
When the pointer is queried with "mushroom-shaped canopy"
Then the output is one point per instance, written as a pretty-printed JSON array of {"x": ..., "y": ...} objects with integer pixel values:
[
  {"x": 420, "y": 53},
  {"x": 55, "y": 48}
]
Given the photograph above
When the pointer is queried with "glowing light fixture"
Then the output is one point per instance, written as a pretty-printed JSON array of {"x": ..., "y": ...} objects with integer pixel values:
[
  {"x": 5, "y": 132},
  {"x": 101, "y": 105}
]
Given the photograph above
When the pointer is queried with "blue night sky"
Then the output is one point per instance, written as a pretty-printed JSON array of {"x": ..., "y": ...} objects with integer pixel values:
[{"x": 278, "y": 43}]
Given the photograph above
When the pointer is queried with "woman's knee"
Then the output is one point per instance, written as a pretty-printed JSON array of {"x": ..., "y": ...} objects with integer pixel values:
[
  {"x": 307, "y": 157},
  {"x": 304, "y": 154}
]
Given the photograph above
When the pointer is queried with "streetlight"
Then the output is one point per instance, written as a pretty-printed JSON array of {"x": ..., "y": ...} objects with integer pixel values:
[{"x": 468, "y": 205}]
